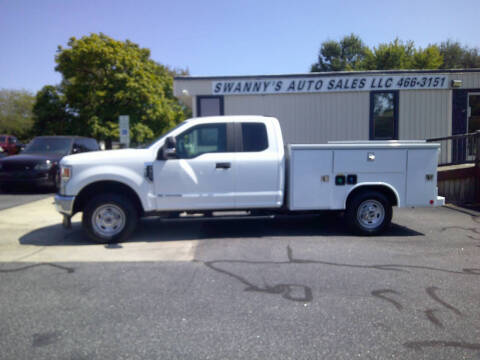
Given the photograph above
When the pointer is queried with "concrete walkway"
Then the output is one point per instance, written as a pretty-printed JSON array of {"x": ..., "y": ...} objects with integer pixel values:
[{"x": 33, "y": 233}]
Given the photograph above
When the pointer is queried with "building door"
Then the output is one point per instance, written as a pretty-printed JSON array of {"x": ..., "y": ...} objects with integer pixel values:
[
  {"x": 473, "y": 112},
  {"x": 209, "y": 105},
  {"x": 459, "y": 124},
  {"x": 473, "y": 121}
]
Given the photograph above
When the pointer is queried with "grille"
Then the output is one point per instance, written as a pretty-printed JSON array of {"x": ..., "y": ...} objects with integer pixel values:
[{"x": 18, "y": 166}]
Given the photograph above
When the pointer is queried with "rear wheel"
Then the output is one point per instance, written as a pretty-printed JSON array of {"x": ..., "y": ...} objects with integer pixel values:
[
  {"x": 110, "y": 218},
  {"x": 369, "y": 213}
]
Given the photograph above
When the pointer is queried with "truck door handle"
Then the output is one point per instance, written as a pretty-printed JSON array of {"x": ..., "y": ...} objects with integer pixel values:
[{"x": 224, "y": 165}]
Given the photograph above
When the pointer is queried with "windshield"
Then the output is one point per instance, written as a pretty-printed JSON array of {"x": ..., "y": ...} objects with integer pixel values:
[
  {"x": 2, "y": 139},
  {"x": 49, "y": 145},
  {"x": 166, "y": 134}
]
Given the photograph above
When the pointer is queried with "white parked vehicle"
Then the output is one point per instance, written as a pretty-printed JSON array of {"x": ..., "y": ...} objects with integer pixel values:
[{"x": 240, "y": 163}]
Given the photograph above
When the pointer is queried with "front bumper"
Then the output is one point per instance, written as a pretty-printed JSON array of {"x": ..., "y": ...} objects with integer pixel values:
[
  {"x": 64, "y": 204},
  {"x": 34, "y": 178}
]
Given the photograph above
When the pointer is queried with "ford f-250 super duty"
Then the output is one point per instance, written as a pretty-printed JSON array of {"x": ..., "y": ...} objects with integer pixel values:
[{"x": 240, "y": 163}]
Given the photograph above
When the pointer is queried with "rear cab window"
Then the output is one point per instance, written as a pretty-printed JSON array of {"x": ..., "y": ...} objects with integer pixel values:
[{"x": 254, "y": 137}]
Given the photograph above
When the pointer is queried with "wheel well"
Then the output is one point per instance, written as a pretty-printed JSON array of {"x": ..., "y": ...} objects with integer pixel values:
[
  {"x": 99, "y": 187},
  {"x": 385, "y": 190}
]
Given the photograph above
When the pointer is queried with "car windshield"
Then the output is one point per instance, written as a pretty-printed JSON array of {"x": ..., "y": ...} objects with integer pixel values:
[
  {"x": 49, "y": 145},
  {"x": 2, "y": 139}
]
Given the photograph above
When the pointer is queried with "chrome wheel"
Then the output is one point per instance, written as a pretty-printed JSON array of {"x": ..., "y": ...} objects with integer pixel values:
[
  {"x": 370, "y": 214},
  {"x": 108, "y": 220}
]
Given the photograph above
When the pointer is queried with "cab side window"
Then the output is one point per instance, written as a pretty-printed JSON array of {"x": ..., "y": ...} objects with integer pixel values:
[
  {"x": 202, "y": 139},
  {"x": 254, "y": 137}
]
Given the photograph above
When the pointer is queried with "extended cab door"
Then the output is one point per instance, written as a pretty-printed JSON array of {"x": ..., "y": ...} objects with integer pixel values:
[
  {"x": 202, "y": 174},
  {"x": 259, "y": 166}
]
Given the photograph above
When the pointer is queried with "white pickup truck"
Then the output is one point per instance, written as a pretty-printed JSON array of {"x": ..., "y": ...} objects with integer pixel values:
[{"x": 240, "y": 163}]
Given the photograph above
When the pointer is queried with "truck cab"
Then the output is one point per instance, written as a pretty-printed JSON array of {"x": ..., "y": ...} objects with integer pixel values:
[{"x": 219, "y": 164}]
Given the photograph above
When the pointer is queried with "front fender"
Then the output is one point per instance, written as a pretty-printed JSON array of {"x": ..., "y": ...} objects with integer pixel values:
[{"x": 132, "y": 178}]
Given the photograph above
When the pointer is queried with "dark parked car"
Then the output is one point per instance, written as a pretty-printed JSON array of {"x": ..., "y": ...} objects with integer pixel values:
[
  {"x": 10, "y": 144},
  {"x": 37, "y": 164}
]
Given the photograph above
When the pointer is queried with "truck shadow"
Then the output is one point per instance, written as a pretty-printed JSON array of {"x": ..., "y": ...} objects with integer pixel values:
[{"x": 157, "y": 230}]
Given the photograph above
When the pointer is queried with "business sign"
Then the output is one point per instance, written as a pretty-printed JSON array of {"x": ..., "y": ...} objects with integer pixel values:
[
  {"x": 328, "y": 84},
  {"x": 124, "y": 129}
]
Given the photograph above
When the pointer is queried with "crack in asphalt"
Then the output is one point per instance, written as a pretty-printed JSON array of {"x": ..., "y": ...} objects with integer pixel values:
[
  {"x": 419, "y": 345},
  {"x": 286, "y": 290},
  {"x": 431, "y": 292},
  {"x": 27, "y": 267},
  {"x": 380, "y": 294}
]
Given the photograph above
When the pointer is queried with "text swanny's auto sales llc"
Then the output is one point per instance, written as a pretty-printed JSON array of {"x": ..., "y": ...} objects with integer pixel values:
[{"x": 327, "y": 84}]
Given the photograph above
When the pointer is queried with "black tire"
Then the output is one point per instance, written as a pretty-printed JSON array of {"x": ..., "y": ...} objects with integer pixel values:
[
  {"x": 118, "y": 203},
  {"x": 374, "y": 226}
]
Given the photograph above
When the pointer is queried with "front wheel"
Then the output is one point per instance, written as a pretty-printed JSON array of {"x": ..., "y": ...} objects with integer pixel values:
[
  {"x": 110, "y": 218},
  {"x": 369, "y": 213}
]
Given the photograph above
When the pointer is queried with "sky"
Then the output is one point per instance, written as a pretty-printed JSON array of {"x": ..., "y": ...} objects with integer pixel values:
[{"x": 249, "y": 37}]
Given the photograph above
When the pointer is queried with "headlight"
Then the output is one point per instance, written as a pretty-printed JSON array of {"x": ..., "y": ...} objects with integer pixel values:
[
  {"x": 47, "y": 165},
  {"x": 65, "y": 173}
]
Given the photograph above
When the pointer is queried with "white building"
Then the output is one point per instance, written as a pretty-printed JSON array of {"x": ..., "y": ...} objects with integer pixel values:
[{"x": 321, "y": 107}]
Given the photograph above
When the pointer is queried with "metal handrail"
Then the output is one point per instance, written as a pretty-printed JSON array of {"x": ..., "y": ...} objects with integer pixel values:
[
  {"x": 459, "y": 149},
  {"x": 451, "y": 137}
]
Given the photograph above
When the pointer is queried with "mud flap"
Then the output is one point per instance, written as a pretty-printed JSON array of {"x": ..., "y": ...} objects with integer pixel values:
[{"x": 67, "y": 222}]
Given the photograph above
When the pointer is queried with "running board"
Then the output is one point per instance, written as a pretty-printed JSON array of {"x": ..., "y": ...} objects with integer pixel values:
[{"x": 199, "y": 217}]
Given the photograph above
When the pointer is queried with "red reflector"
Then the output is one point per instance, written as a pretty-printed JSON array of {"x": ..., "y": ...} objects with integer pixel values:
[{"x": 431, "y": 202}]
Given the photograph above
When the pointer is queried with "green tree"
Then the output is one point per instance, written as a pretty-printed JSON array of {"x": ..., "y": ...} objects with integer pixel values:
[
  {"x": 452, "y": 53},
  {"x": 16, "y": 112},
  {"x": 346, "y": 54},
  {"x": 351, "y": 54},
  {"x": 471, "y": 59},
  {"x": 50, "y": 114},
  {"x": 456, "y": 56},
  {"x": 393, "y": 55},
  {"x": 428, "y": 58},
  {"x": 104, "y": 78}
]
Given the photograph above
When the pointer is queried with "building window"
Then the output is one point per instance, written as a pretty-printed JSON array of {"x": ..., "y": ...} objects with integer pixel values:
[
  {"x": 209, "y": 105},
  {"x": 384, "y": 115}
]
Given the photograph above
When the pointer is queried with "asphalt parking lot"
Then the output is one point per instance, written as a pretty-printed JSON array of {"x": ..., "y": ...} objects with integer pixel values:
[{"x": 288, "y": 288}]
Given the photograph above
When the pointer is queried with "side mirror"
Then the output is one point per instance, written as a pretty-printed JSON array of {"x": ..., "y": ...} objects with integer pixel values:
[{"x": 169, "y": 150}]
